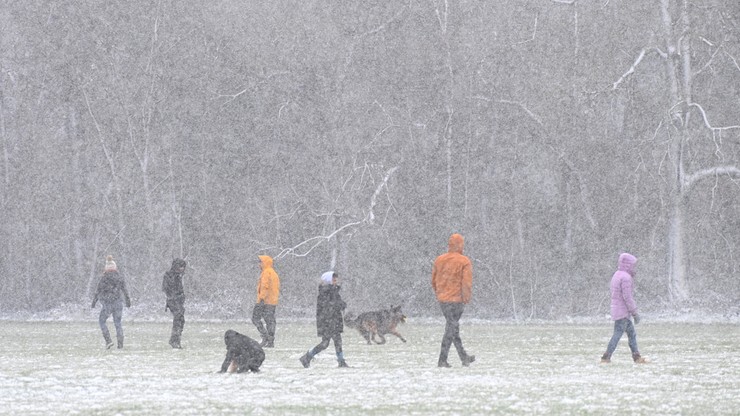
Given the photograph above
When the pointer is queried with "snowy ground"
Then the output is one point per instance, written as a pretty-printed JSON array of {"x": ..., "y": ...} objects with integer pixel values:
[{"x": 62, "y": 368}]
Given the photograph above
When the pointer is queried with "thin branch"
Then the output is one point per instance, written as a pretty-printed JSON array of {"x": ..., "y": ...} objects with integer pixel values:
[
  {"x": 706, "y": 120},
  {"x": 690, "y": 180},
  {"x": 631, "y": 70},
  {"x": 734, "y": 61}
]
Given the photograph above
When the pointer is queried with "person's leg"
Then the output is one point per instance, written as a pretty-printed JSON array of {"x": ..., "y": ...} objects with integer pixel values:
[
  {"x": 451, "y": 327},
  {"x": 456, "y": 313},
  {"x": 104, "y": 314},
  {"x": 619, "y": 327},
  {"x": 178, "y": 323},
  {"x": 632, "y": 340},
  {"x": 117, "y": 316},
  {"x": 257, "y": 314},
  {"x": 338, "y": 348},
  {"x": 255, "y": 361},
  {"x": 307, "y": 357},
  {"x": 271, "y": 324}
]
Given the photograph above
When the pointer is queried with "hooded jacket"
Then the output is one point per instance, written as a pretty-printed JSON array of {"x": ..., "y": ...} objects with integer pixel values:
[
  {"x": 172, "y": 281},
  {"x": 329, "y": 307},
  {"x": 110, "y": 288},
  {"x": 623, "y": 304},
  {"x": 452, "y": 274},
  {"x": 268, "y": 289}
]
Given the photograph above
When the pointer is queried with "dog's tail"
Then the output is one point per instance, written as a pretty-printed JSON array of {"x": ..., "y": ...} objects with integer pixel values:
[{"x": 350, "y": 320}]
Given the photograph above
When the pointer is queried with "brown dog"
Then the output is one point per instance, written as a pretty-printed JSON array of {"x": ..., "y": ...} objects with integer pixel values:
[{"x": 377, "y": 323}]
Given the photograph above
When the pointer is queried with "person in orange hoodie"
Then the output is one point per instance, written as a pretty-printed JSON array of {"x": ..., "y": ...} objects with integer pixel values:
[
  {"x": 452, "y": 281},
  {"x": 268, "y": 292}
]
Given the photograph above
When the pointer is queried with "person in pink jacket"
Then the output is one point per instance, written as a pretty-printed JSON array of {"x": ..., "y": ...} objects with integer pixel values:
[{"x": 623, "y": 307}]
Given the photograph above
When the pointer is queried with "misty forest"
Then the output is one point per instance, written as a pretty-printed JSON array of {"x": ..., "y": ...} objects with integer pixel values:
[{"x": 357, "y": 136}]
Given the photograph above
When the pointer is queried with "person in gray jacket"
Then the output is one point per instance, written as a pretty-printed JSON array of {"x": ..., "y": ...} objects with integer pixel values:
[{"x": 111, "y": 292}]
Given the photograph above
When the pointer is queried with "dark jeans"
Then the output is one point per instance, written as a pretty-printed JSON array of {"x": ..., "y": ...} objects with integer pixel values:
[
  {"x": 108, "y": 309},
  {"x": 325, "y": 343},
  {"x": 267, "y": 312},
  {"x": 177, "y": 307},
  {"x": 452, "y": 312},
  {"x": 620, "y": 327}
]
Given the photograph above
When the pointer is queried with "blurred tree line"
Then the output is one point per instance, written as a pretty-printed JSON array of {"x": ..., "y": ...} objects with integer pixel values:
[{"x": 358, "y": 135}]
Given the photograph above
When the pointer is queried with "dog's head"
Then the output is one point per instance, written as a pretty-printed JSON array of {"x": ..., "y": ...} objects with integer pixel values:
[{"x": 398, "y": 314}]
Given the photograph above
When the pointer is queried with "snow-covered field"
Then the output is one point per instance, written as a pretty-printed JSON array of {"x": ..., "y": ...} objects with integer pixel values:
[{"x": 62, "y": 368}]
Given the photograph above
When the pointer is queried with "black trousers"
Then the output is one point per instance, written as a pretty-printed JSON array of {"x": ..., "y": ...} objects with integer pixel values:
[
  {"x": 265, "y": 312},
  {"x": 321, "y": 346},
  {"x": 177, "y": 307},
  {"x": 452, "y": 313}
]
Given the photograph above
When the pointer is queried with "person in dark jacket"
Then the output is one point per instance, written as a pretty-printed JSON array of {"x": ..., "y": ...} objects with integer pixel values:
[
  {"x": 111, "y": 292},
  {"x": 245, "y": 353},
  {"x": 172, "y": 286},
  {"x": 329, "y": 320}
]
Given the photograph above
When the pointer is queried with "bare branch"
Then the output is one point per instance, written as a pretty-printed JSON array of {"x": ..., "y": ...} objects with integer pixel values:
[
  {"x": 734, "y": 61},
  {"x": 706, "y": 120},
  {"x": 631, "y": 70},
  {"x": 374, "y": 199},
  {"x": 690, "y": 180},
  {"x": 709, "y": 62},
  {"x": 515, "y": 103}
]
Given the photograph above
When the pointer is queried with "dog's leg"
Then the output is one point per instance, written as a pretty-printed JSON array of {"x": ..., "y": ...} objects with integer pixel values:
[
  {"x": 382, "y": 339},
  {"x": 365, "y": 335},
  {"x": 396, "y": 333}
]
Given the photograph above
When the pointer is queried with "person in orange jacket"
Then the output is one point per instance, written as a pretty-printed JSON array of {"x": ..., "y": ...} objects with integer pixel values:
[
  {"x": 452, "y": 281},
  {"x": 268, "y": 292}
]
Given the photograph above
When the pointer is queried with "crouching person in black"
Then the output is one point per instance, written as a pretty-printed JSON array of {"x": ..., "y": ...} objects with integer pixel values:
[{"x": 244, "y": 352}]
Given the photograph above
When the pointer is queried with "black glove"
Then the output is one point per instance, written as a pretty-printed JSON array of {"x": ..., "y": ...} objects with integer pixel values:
[{"x": 637, "y": 318}]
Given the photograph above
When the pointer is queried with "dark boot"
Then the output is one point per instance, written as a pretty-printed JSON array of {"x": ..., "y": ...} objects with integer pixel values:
[
  {"x": 108, "y": 341},
  {"x": 306, "y": 359},
  {"x": 638, "y": 359},
  {"x": 467, "y": 360},
  {"x": 606, "y": 358},
  {"x": 340, "y": 360},
  {"x": 268, "y": 342},
  {"x": 120, "y": 343}
]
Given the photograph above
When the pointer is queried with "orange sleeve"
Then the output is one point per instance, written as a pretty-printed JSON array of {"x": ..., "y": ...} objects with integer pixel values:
[{"x": 467, "y": 282}]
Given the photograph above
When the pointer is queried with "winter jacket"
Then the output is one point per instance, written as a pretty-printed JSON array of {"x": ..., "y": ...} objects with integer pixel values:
[
  {"x": 623, "y": 304},
  {"x": 329, "y": 307},
  {"x": 172, "y": 282},
  {"x": 268, "y": 289},
  {"x": 452, "y": 274},
  {"x": 110, "y": 288},
  {"x": 243, "y": 348}
]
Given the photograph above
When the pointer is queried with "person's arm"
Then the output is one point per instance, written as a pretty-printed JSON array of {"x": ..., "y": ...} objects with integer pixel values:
[
  {"x": 467, "y": 282},
  {"x": 97, "y": 293},
  {"x": 227, "y": 361},
  {"x": 629, "y": 300},
  {"x": 124, "y": 289}
]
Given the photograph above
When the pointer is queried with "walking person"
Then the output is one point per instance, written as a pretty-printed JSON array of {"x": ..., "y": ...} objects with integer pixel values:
[
  {"x": 452, "y": 281},
  {"x": 623, "y": 306},
  {"x": 268, "y": 292},
  {"x": 329, "y": 321},
  {"x": 172, "y": 287},
  {"x": 112, "y": 293}
]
